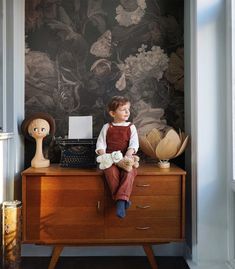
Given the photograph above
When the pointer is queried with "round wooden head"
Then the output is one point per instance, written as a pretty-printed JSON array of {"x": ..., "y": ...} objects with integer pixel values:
[
  {"x": 39, "y": 128},
  {"x": 34, "y": 119}
]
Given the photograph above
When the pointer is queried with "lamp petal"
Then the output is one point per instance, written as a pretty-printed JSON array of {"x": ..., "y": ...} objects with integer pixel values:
[
  {"x": 174, "y": 137},
  {"x": 154, "y": 137},
  {"x": 146, "y": 147},
  {"x": 183, "y": 146},
  {"x": 166, "y": 149},
  {"x": 168, "y": 146}
]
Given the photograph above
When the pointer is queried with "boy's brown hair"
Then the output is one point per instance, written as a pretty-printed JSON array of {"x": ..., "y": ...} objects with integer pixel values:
[{"x": 117, "y": 101}]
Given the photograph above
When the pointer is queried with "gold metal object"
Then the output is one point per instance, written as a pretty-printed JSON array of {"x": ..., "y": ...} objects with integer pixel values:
[
  {"x": 11, "y": 234},
  {"x": 98, "y": 205},
  {"x": 143, "y": 185},
  {"x": 143, "y": 206},
  {"x": 143, "y": 228}
]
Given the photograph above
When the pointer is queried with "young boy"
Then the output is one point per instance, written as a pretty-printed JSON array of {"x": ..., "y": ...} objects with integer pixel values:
[{"x": 119, "y": 135}]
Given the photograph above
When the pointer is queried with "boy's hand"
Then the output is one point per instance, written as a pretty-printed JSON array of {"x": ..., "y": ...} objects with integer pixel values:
[
  {"x": 129, "y": 153},
  {"x": 101, "y": 151},
  {"x": 126, "y": 163}
]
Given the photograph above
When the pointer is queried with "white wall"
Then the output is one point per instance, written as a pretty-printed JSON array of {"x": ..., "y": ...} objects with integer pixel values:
[
  {"x": 6, "y": 185},
  {"x": 209, "y": 134},
  {"x": 2, "y": 64},
  {"x": 211, "y": 99},
  {"x": 12, "y": 89}
]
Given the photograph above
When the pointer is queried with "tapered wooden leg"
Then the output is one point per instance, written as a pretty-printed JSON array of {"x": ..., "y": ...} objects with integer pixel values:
[
  {"x": 55, "y": 256},
  {"x": 150, "y": 255}
]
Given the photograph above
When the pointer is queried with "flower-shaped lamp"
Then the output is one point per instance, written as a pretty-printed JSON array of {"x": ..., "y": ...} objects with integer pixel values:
[{"x": 163, "y": 146}]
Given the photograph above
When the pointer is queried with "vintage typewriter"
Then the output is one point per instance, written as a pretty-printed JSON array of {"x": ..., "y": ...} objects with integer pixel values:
[{"x": 78, "y": 153}]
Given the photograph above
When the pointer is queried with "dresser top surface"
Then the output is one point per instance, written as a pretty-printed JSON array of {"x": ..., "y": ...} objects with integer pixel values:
[{"x": 144, "y": 169}]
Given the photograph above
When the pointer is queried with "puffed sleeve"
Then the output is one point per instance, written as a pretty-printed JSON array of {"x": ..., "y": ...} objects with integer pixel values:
[
  {"x": 134, "y": 140},
  {"x": 101, "y": 141}
]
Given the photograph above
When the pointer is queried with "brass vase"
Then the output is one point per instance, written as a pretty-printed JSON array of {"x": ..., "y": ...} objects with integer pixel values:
[{"x": 11, "y": 234}]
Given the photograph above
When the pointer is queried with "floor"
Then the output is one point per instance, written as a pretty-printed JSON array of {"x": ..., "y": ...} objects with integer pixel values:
[{"x": 104, "y": 263}]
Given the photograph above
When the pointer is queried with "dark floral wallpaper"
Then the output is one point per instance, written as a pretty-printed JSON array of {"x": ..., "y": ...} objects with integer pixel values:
[{"x": 80, "y": 53}]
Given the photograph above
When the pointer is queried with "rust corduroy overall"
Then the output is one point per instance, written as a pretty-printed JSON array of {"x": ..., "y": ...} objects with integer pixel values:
[{"x": 120, "y": 182}]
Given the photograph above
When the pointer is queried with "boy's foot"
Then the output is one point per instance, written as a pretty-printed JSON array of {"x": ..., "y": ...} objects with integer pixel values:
[
  {"x": 127, "y": 204},
  {"x": 120, "y": 209}
]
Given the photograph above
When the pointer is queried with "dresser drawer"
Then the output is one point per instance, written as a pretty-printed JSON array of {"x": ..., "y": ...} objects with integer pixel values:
[
  {"x": 65, "y": 183},
  {"x": 157, "y": 185},
  {"x": 155, "y": 206},
  {"x": 147, "y": 206},
  {"x": 149, "y": 228},
  {"x": 44, "y": 232}
]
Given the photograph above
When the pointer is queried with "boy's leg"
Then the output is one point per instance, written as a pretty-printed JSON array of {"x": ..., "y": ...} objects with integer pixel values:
[
  {"x": 126, "y": 183},
  {"x": 112, "y": 176}
]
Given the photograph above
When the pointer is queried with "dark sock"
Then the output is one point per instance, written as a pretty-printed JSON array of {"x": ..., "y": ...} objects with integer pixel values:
[
  {"x": 127, "y": 204},
  {"x": 120, "y": 208}
]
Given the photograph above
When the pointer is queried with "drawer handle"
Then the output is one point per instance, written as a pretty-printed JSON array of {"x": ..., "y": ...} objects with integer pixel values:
[
  {"x": 98, "y": 205},
  {"x": 143, "y": 206},
  {"x": 143, "y": 228},
  {"x": 142, "y": 185}
]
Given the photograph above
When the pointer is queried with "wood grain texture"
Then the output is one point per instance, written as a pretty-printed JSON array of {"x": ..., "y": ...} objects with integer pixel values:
[
  {"x": 55, "y": 256},
  {"x": 157, "y": 185},
  {"x": 144, "y": 169},
  {"x": 148, "y": 206},
  {"x": 64, "y": 207},
  {"x": 67, "y": 206},
  {"x": 150, "y": 255},
  {"x": 144, "y": 228},
  {"x": 64, "y": 203}
]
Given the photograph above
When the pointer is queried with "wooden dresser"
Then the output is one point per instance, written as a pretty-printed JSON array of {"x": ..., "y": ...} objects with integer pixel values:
[{"x": 65, "y": 206}]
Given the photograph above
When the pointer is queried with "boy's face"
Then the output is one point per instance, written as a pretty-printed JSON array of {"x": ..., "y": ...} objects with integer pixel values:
[{"x": 121, "y": 114}]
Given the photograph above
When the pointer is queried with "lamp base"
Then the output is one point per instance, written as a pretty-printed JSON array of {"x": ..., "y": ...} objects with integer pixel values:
[{"x": 164, "y": 164}]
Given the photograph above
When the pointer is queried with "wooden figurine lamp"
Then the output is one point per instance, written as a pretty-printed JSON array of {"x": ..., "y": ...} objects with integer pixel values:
[{"x": 38, "y": 126}]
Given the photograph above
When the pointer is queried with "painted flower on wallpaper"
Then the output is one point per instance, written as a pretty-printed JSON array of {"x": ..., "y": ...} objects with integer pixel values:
[
  {"x": 95, "y": 15},
  {"x": 151, "y": 91},
  {"x": 38, "y": 67},
  {"x": 40, "y": 79},
  {"x": 171, "y": 29},
  {"x": 34, "y": 15},
  {"x": 39, "y": 11},
  {"x": 175, "y": 71},
  {"x": 148, "y": 118},
  {"x": 91, "y": 56},
  {"x": 67, "y": 97},
  {"x": 127, "y": 17},
  {"x": 154, "y": 33},
  {"x": 145, "y": 64},
  {"x": 102, "y": 47},
  {"x": 121, "y": 83},
  {"x": 101, "y": 67}
]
